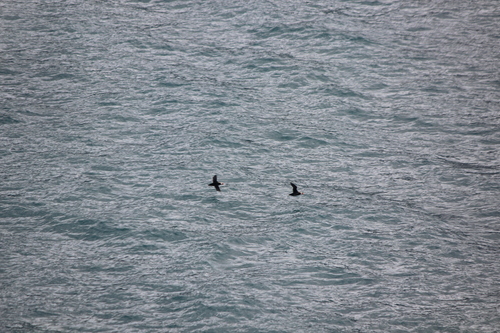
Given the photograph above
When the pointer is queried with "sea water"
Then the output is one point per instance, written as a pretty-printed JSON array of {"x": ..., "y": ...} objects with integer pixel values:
[{"x": 115, "y": 115}]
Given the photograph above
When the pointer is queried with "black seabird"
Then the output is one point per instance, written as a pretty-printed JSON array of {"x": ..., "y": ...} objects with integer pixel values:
[
  {"x": 215, "y": 183},
  {"x": 295, "y": 192}
]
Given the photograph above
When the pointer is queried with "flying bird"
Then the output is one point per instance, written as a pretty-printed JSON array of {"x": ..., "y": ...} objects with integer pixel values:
[
  {"x": 215, "y": 183},
  {"x": 295, "y": 192}
]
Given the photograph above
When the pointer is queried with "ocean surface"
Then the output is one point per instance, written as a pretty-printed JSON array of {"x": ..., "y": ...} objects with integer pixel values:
[{"x": 115, "y": 115}]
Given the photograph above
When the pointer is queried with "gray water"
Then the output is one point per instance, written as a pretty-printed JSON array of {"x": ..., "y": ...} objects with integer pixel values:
[{"x": 116, "y": 114}]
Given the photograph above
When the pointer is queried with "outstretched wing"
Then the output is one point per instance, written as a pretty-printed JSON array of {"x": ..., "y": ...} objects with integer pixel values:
[
  {"x": 217, "y": 187},
  {"x": 294, "y": 187},
  {"x": 215, "y": 179}
]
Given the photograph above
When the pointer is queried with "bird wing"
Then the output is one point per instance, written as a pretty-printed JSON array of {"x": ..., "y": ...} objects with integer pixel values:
[
  {"x": 215, "y": 179},
  {"x": 217, "y": 187},
  {"x": 294, "y": 186}
]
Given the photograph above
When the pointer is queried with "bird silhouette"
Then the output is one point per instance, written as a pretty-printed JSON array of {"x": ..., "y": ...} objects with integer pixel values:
[
  {"x": 295, "y": 192},
  {"x": 216, "y": 183}
]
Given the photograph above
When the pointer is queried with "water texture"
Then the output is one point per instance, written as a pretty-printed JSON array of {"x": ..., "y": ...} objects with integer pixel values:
[{"x": 115, "y": 115}]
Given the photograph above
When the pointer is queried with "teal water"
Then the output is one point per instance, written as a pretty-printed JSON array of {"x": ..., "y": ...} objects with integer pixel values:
[{"x": 115, "y": 115}]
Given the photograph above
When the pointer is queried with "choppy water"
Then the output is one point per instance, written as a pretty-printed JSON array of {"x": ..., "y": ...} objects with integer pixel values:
[{"x": 115, "y": 115}]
